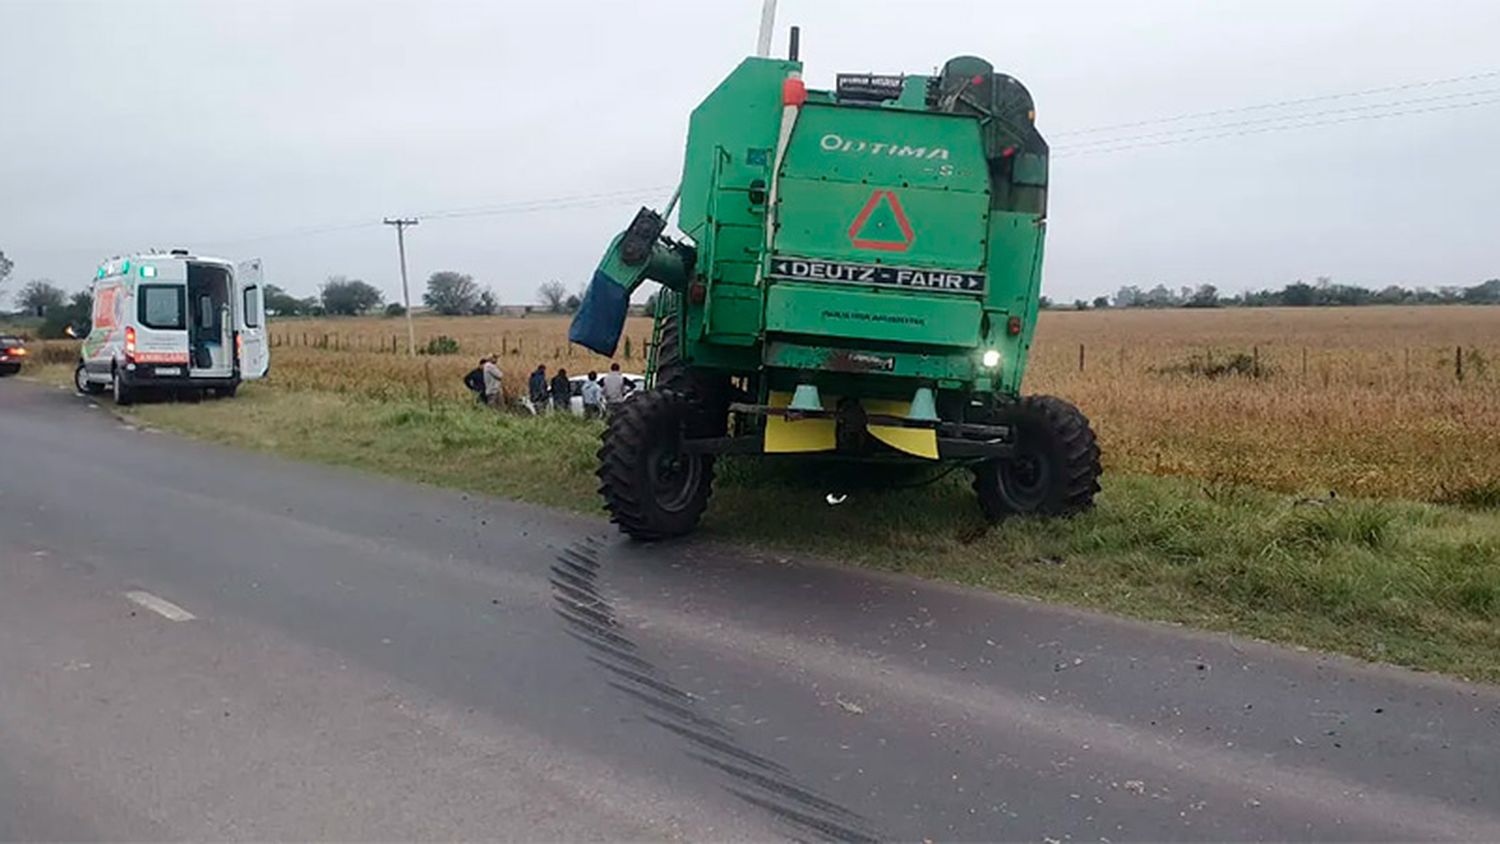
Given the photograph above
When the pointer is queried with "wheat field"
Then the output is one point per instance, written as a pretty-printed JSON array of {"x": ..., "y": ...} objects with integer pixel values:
[{"x": 1352, "y": 401}]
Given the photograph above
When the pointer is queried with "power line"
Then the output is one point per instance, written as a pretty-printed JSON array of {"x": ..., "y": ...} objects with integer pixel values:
[
  {"x": 1282, "y": 128},
  {"x": 515, "y": 207},
  {"x": 303, "y": 232},
  {"x": 523, "y": 206},
  {"x": 1430, "y": 83},
  {"x": 1269, "y": 120},
  {"x": 1105, "y": 145}
]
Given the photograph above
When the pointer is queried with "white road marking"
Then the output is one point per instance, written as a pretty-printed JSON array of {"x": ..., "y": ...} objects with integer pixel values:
[{"x": 162, "y": 607}]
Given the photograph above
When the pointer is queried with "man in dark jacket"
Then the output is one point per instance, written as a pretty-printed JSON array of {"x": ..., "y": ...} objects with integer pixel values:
[
  {"x": 562, "y": 391},
  {"x": 475, "y": 381},
  {"x": 536, "y": 388}
]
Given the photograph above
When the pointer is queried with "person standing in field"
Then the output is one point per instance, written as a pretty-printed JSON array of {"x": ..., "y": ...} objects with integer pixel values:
[
  {"x": 536, "y": 388},
  {"x": 494, "y": 388},
  {"x": 593, "y": 397},
  {"x": 562, "y": 391},
  {"x": 474, "y": 381},
  {"x": 613, "y": 387}
]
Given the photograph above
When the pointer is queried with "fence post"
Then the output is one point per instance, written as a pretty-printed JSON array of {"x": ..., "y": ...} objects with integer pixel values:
[
  {"x": 427, "y": 367},
  {"x": 1304, "y": 363},
  {"x": 1080, "y": 357},
  {"x": 1255, "y": 362},
  {"x": 1406, "y": 371},
  {"x": 1458, "y": 363}
]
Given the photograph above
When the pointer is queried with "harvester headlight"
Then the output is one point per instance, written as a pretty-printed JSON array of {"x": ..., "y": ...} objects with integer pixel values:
[{"x": 991, "y": 359}]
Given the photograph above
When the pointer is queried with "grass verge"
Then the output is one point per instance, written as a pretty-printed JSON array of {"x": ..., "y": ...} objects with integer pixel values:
[{"x": 1413, "y": 584}]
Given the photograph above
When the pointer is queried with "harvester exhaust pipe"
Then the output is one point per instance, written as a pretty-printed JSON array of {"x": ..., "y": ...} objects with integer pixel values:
[
  {"x": 794, "y": 43},
  {"x": 767, "y": 26}
]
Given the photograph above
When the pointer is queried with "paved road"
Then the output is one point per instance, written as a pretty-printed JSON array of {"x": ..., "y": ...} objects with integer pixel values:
[{"x": 371, "y": 659}]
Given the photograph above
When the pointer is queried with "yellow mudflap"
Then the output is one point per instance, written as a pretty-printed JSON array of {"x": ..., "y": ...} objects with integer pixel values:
[
  {"x": 783, "y": 437},
  {"x": 921, "y": 442},
  {"x": 804, "y": 435}
]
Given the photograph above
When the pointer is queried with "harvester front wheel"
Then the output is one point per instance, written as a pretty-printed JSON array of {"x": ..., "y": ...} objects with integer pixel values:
[
  {"x": 651, "y": 489},
  {"x": 1055, "y": 469}
]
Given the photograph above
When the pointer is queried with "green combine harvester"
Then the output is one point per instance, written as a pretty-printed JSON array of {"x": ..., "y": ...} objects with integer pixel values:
[{"x": 859, "y": 277}]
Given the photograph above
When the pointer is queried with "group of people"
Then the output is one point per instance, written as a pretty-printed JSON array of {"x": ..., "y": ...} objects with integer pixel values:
[{"x": 598, "y": 393}]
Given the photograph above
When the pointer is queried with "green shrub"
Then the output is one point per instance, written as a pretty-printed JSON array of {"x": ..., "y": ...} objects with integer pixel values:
[
  {"x": 440, "y": 345},
  {"x": 1238, "y": 364}
]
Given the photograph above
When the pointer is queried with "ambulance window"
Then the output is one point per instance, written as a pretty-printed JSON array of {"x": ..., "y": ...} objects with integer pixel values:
[
  {"x": 162, "y": 306},
  {"x": 252, "y": 307}
]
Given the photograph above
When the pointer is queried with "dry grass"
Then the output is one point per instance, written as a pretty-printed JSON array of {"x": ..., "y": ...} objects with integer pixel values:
[
  {"x": 1356, "y": 401},
  {"x": 1376, "y": 411},
  {"x": 356, "y": 355}
]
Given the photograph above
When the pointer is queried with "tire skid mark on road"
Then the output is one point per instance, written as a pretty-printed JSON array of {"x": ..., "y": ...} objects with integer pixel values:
[{"x": 756, "y": 780}]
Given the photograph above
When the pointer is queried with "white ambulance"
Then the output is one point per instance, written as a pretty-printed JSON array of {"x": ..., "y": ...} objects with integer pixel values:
[{"x": 176, "y": 321}]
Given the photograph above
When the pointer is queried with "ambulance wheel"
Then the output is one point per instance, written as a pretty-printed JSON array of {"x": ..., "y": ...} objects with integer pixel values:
[
  {"x": 1054, "y": 470},
  {"x": 651, "y": 489},
  {"x": 82, "y": 382},
  {"x": 228, "y": 392},
  {"x": 122, "y": 393}
]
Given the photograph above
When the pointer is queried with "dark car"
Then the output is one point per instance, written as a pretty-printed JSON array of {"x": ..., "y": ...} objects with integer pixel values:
[{"x": 12, "y": 353}]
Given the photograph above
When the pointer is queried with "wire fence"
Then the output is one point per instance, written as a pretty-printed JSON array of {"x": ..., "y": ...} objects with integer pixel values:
[
  {"x": 1272, "y": 363},
  {"x": 1280, "y": 362},
  {"x": 519, "y": 345}
]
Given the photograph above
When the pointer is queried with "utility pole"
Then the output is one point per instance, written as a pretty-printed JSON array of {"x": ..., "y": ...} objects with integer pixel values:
[{"x": 401, "y": 224}]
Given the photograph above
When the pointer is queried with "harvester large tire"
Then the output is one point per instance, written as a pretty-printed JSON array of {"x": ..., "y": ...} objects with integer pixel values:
[
  {"x": 651, "y": 489},
  {"x": 711, "y": 391},
  {"x": 671, "y": 373},
  {"x": 1055, "y": 470}
]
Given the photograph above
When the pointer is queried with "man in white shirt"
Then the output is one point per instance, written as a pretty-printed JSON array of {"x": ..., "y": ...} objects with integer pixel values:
[
  {"x": 614, "y": 386},
  {"x": 494, "y": 390}
]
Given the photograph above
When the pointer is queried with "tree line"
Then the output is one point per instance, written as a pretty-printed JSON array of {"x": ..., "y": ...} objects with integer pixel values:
[
  {"x": 1324, "y": 292},
  {"x": 448, "y": 293},
  {"x": 453, "y": 293}
]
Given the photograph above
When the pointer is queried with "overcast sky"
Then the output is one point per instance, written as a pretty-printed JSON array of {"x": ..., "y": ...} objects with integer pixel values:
[{"x": 253, "y": 128}]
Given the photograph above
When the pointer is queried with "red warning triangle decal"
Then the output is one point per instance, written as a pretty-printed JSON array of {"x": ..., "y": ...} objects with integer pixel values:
[{"x": 887, "y": 232}]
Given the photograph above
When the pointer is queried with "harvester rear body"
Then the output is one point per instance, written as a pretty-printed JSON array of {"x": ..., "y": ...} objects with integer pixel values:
[{"x": 859, "y": 275}]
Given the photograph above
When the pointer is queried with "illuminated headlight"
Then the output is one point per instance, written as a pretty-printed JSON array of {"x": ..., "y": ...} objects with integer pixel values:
[
  {"x": 991, "y": 359},
  {"x": 148, "y": 271}
]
